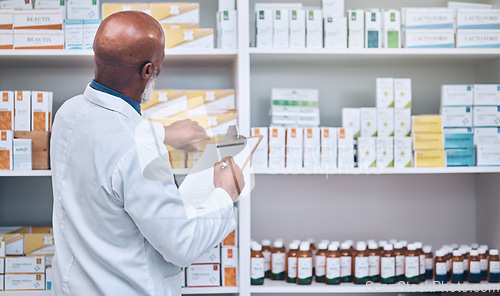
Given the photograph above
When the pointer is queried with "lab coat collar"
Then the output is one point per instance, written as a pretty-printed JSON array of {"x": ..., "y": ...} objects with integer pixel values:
[{"x": 110, "y": 102}]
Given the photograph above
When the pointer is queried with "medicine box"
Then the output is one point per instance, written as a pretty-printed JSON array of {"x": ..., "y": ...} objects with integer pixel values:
[
  {"x": 373, "y": 28},
  {"x": 488, "y": 155},
  {"x": 203, "y": 275},
  {"x": 277, "y": 138},
  {"x": 51, "y": 4},
  {"x": 460, "y": 157},
  {"x": 1, "y": 282},
  {"x": 73, "y": 31},
  {"x": 212, "y": 256},
  {"x": 6, "y": 110},
  {"x": 189, "y": 38},
  {"x": 402, "y": 122},
  {"x": 328, "y": 148},
  {"x": 487, "y": 94},
  {"x": 458, "y": 130},
  {"x": 368, "y": 122},
  {"x": 182, "y": 26},
  {"x": 38, "y": 244},
  {"x": 110, "y": 8},
  {"x": 227, "y": 5},
  {"x": 6, "y": 158},
  {"x": 38, "y": 19},
  {"x": 41, "y": 109},
  {"x": 478, "y": 19},
  {"x": 259, "y": 157},
  {"x": 457, "y": 95},
  {"x": 312, "y": 147},
  {"x": 314, "y": 29},
  {"x": 176, "y": 12},
  {"x": 367, "y": 152},
  {"x": 2, "y": 252},
  {"x": 332, "y": 8},
  {"x": 458, "y": 141},
  {"x": 6, "y": 19},
  {"x": 82, "y": 9},
  {"x": 89, "y": 31},
  {"x": 429, "y": 19},
  {"x": 429, "y": 158},
  {"x": 457, "y": 116},
  {"x": 39, "y": 147},
  {"x": 23, "y": 282},
  {"x": 478, "y": 38},
  {"x": 427, "y": 124},
  {"x": 294, "y": 142},
  {"x": 403, "y": 154},
  {"x": 215, "y": 100},
  {"x": 228, "y": 29},
  {"x": 356, "y": 28},
  {"x": 14, "y": 243},
  {"x": 335, "y": 31},
  {"x": 264, "y": 28},
  {"x": 2, "y": 265},
  {"x": 385, "y": 92},
  {"x": 38, "y": 39},
  {"x": 430, "y": 39},
  {"x": 487, "y": 136},
  {"x": 345, "y": 142},
  {"x": 281, "y": 28},
  {"x": 21, "y": 150},
  {"x": 6, "y": 39},
  {"x": 25, "y": 264},
  {"x": 229, "y": 266},
  {"x": 165, "y": 103},
  {"x": 385, "y": 122},
  {"x": 392, "y": 28},
  {"x": 297, "y": 22},
  {"x": 385, "y": 152},
  {"x": 49, "y": 278},
  {"x": 428, "y": 141},
  {"x": 351, "y": 119},
  {"x": 486, "y": 116},
  {"x": 402, "y": 93}
]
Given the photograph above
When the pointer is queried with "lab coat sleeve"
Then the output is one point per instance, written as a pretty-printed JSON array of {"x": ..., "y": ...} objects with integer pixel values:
[{"x": 161, "y": 216}]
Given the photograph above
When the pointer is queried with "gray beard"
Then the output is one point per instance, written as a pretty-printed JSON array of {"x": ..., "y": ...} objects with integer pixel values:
[{"x": 147, "y": 95}]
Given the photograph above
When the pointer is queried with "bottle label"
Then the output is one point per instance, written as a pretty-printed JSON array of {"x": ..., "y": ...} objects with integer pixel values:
[
  {"x": 345, "y": 266},
  {"x": 422, "y": 264},
  {"x": 441, "y": 268},
  {"x": 458, "y": 267},
  {"x": 475, "y": 267},
  {"x": 484, "y": 264},
  {"x": 400, "y": 265},
  {"x": 361, "y": 265},
  {"x": 429, "y": 263},
  {"x": 412, "y": 267},
  {"x": 332, "y": 268},
  {"x": 278, "y": 263},
  {"x": 374, "y": 265},
  {"x": 257, "y": 267},
  {"x": 320, "y": 265},
  {"x": 388, "y": 267},
  {"x": 304, "y": 268},
  {"x": 267, "y": 260},
  {"x": 494, "y": 266},
  {"x": 466, "y": 264},
  {"x": 292, "y": 267}
]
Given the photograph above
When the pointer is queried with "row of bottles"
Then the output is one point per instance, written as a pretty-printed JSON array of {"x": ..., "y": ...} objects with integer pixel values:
[{"x": 386, "y": 262}]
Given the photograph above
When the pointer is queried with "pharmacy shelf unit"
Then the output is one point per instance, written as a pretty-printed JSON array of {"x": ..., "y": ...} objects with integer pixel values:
[{"x": 185, "y": 291}]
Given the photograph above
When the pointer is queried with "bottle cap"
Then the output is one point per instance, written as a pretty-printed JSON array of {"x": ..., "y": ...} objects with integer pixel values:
[
  {"x": 463, "y": 247},
  {"x": 266, "y": 243},
  {"x": 418, "y": 245},
  {"x": 405, "y": 243},
  {"x": 310, "y": 240},
  {"x": 393, "y": 241},
  {"x": 278, "y": 244},
  {"x": 411, "y": 247},
  {"x": 293, "y": 246},
  {"x": 297, "y": 241},
  {"x": 387, "y": 247},
  {"x": 324, "y": 241},
  {"x": 373, "y": 246},
  {"x": 304, "y": 246},
  {"x": 361, "y": 246},
  {"x": 398, "y": 245},
  {"x": 335, "y": 243},
  {"x": 440, "y": 253},
  {"x": 345, "y": 246},
  {"x": 457, "y": 253},
  {"x": 256, "y": 247},
  {"x": 382, "y": 243},
  {"x": 481, "y": 251},
  {"x": 494, "y": 252},
  {"x": 427, "y": 249},
  {"x": 484, "y": 247},
  {"x": 475, "y": 246},
  {"x": 474, "y": 253},
  {"x": 333, "y": 247},
  {"x": 350, "y": 242},
  {"x": 454, "y": 246},
  {"x": 370, "y": 241},
  {"x": 323, "y": 246}
]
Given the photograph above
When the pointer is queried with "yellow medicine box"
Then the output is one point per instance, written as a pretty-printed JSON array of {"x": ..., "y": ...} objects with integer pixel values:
[
  {"x": 189, "y": 38},
  {"x": 38, "y": 244},
  {"x": 110, "y": 8},
  {"x": 427, "y": 124},
  {"x": 428, "y": 142},
  {"x": 429, "y": 159},
  {"x": 176, "y": 12}
]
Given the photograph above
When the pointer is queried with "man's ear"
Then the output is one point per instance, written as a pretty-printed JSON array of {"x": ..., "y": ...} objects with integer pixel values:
[{"x": 147, "y": 71}]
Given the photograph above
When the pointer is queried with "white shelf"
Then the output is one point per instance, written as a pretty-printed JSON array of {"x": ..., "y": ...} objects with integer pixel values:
[
  {"x": 24, "y": 293},
  {"x": 372, "y": 57},
  {"x": 35, "y": 173},
  {"x": 375, "y": 171},
  {"x": 217, "y": 290}
]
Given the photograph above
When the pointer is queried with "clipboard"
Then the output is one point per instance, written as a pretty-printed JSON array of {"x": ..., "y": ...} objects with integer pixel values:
[{"x": 251, "y": 142}]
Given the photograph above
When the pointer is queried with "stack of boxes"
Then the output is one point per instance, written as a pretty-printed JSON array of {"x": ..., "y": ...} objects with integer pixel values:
[
  {"x": 486, "y": 121},
  {"x": 81, "y": 24},
  {"x": 334, "y": 24},
  {"x": 294, "y": 107},
  {"x": 25, "y": 124},
  {"x": 478, "y": 28},
  {"x": 227, "y": 24},
  {"x": 428, "y": 143},
  {"x": 431, "y": 27}
]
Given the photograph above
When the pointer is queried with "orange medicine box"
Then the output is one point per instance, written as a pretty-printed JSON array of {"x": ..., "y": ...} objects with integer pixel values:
[
  {"x": 38, "y": 19},
  {"x": 6, "y": 162},
  {"x": 24, "y": 282},
  {"x": 6, "y": 19},
  {"x": 232, "y": 239},
  {"x": 22, "y": 110},
  {"x": 6, "y": 110},
  {"x": 25, "y": 264},
  {"x": 41, "y": 108},
  {"x": 203, "y": 275},
  {"x": 6, "y": 39},
  {"x": 229, "y": 268}
]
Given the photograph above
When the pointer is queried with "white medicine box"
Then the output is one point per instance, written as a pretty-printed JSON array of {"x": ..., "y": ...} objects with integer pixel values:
[{"x": 259, "y": 158}]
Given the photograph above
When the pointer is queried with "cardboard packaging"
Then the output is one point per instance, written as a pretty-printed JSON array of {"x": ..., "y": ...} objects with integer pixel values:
[
  {"x": 176, "y": 12},
  {"x": 38, "y": 39},
  {"x": 6, "y": 19},
  {"x": 428, "y": 141},
  {"x": 368, "y": 122},
  {"x": 2, "y": 253},
  {"x": 345, "y": 142},
  {"x": 189, "y": 38},
  {"x": 351, "y": 119},
  {"x": 73, "y": 32},
  {"x": 16, "y": 4},
  {"x": 427, "y": 124},
  {"x": 294, "y": 146},
  {"x": 328, "y": 148},
  {"x": 36, "y": 244},
  {"x": 332, "y": 8},
  {"x": 403, "y": 152},
  {"x": 478, "y": 19},
  {"x": 6, "y": 158},
  {"x": 203, "y": 275},
  {"x": 38, "y": 19},
  {"x": 385, "y": 122},
  {"x": 264, "y": 28},
  {"x": 39, "y": 148},
  {"x": 110, "y": 8},
  {"x": 49, "y": 278},
  {"x": 259, "y": 158},
  {"x": 21, "y": 150},
  {"x": 457, "y": 95},
  {"x": 1, "y": 282},
  {"x": 385, "y": 92},
  {"x": 392, "y": 28},
  {"x": 488, "y": 155},
  {"x": 457, "y": 116},
  {"x": 335, "y": 31},
  {"x": 430, "y": 39},
  {"x": 486, "y": 116},
  {"x": 281, "y": 28},
  {"x": 478, "y": 39},
  {"x": 89, "y": 31},
  {"x": 429, "y": 19},
  {"x": 402, "y": 122},
  {"x": 82, "y": 9},
  {"x": 6, "y": 110},
  {"x": 182, "y": 26},
  {"x": 41, "y": 109},
  {"x": 367, "y": 152},
  {"x": 165, "y": 103},
  {"x": 487, "y": 136},
  {"x": 458, "y": 130},
  {"x": 312, "y": 148},
  {"x": 6, "y": 39},
  {"x": 51, "y": 4},
  {"x": 25, "y": 264},
  {"x": 460, "y": 157},
  {"x": 356, "y": 28},
  {"x": 2, "y": 265},
  {"x": 314, "y": 29},
  {"x": 486, "y": 94},
  {"x": 212, "y": 256},
  {"x": 227, "y": 5},
  {"x": 402, "y": 93},
  {"x": 228, "y": 29},
  {"x": 429, "y": 159},
  {"x": 229, "y": 266},
  {"x": 297, "y": 21},
  {"x": 23, "y": 282},
  {"x": 277, "y": 138},
  {"x": 22, "y": 107},
  {"x": 215, "y": 101},
  {"x": 458, "y": 141},
  {"x": 385, "y": 152},
  {"x": 373, "y": 29}
]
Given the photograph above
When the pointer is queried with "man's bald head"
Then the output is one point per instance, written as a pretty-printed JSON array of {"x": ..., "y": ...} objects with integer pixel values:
[{"x": 129, "y": 49}]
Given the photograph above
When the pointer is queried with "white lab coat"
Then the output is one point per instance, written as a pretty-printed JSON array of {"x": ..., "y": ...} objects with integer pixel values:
[{"x": 116, "y": 231}]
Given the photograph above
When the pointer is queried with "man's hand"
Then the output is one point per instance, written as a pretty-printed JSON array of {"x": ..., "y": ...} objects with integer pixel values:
[
  {"x": 229, "y": 178},
  {"x": 182, "y": 134}
]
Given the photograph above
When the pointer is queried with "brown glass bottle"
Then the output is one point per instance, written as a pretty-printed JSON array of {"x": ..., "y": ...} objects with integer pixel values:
[
  {"x": 266, "y": 251},
  {"x": 441, "y": 267},
  {"x": 494, "y": 267},
  {"x": 291, "y": 266},
  {"x": 399, "y": 254},
  {"x": 474, "y": 267},
  {"x": 278, "y": 261},
  {"x": 373, "y": 263},
  {"x": 412, "y": 265},
  {"x": 361, "y": 264},
  {"x": 387, "y": 265},
  {"x": 320, "y": 262},
  {"x": 256, "y": 265},
  {"x": 304, "y": 265},
  {"x": 421, "y": 261},
  {"x": 429, "y": 262},
  {"x": 332, "y": 276},
  {"x": 457, "y": 267},
  {"x": 483, "y": 256},
  {"x": 345, "y": 263}
]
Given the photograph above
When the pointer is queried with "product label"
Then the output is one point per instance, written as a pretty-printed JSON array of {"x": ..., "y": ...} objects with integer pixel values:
[
  {"x": 345, "y": 266},
  {"x": 466, "y": 264},
  {"x": 332, "y": 268},
  {"x": 441, "y": 268},
  {"x": 374, "y": 265},
  {"x": 484, "y": 264},
  {"x": 304, "y": 268},
  {"x": 458, "y": 267},
  {"x": 412, "y": 267},
  {"x": 320, "y": 265},
  {"x": 429, "y": 262},
  {"x": 475, "y": 267},
  {"x": 257, "y": 268},
  {"x": 422, "y": 264},
  {"x": 400, "y": 265},
  {"x": 292, "y": 267},
  {"x": 361, "y": 267},
  {"x": 495, "y": 267},
  {"x": 267, "y": 260},
  {"x": 388, "y": 267},
  {"x": 278, "y": 263}
]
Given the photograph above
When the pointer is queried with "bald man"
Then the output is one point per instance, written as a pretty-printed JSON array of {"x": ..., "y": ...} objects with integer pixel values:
[{"x": 120, "y": 229}]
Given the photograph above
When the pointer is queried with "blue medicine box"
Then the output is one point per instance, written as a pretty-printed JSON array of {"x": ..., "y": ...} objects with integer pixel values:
[
  {"x": 460, "y": 157},
  {"x": 458, "y": 141}
]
